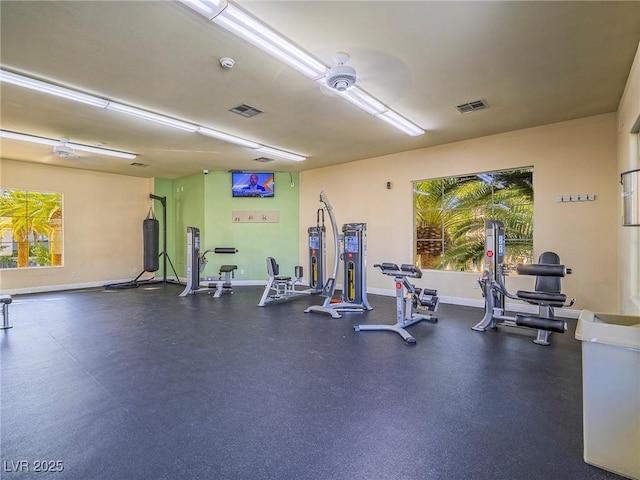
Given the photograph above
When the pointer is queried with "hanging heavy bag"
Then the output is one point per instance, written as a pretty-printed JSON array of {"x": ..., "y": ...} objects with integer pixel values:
[{"x": 151, "y": 241}]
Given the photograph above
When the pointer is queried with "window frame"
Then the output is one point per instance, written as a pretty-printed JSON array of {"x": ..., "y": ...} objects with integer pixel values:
[
  {"x": 470, "y": 195},
  {"x": 31, "y": 225}
]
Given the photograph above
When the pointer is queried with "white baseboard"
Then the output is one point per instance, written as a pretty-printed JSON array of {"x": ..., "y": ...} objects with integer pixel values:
[{"x": 465, "y": 302}]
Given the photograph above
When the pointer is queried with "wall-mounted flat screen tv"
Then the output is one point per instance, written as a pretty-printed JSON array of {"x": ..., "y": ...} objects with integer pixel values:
[{"x": 252, "y": 184}]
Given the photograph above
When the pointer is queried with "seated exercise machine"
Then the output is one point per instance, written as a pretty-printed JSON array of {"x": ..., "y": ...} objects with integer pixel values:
[
  {"x": 280, "y": 288},
  {"x": 408, "y": 297},
  {"x": 354, "y": 260},
  {"x": 546, "y": 296},
  {"x": 196, "y": 263},
  {"x": 223, "y": 286}
]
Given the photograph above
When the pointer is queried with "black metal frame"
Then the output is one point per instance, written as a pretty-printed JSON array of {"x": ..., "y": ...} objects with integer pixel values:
[{"x": 165, "y": 257}]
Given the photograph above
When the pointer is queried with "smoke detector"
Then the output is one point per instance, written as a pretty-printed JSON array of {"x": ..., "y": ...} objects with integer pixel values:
[
  {"x": 341, "y": 76},
  {"x": 227, "y": 63}
]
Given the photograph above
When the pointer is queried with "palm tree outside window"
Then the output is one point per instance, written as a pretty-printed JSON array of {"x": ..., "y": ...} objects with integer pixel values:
[
  {"x": 450, "y": 214},
  {"x": 30, "y": 229}
]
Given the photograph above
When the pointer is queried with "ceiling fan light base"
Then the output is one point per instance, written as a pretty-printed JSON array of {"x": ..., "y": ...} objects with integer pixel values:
[{"x": 341, "y": 77}]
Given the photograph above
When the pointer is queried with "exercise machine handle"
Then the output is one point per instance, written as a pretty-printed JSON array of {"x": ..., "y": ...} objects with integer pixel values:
[
  {"x": 543, "y": 270},
  {"x": 224, "y": 250}
]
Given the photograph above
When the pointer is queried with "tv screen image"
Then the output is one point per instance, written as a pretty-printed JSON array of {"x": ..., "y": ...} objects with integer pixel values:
[{"x": 252, "y": 184}]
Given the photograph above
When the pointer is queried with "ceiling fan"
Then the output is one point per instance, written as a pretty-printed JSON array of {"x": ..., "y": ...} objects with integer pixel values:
[
  {"x": 63, "y": 150},
  {"x": 341, "y": 76}
]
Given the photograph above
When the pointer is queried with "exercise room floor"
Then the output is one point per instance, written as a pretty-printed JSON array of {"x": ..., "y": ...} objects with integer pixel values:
[{"x": 144, "y": 384}]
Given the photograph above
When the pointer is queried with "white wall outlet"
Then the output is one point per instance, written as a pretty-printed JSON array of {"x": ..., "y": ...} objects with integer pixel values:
[
  {"x": 242, "y": 271},
  {"x": 74, "y": 274}
]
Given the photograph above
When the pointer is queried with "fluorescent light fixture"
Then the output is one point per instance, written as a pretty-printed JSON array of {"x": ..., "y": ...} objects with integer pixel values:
[
  {"x": 281, "y": 153},
  {"x": 154, "y": 117},
  {"x": 245, "y": 26},
  {"x": 362, "y": 99},
  {"x": 206, "y": 8},
  {"x": 45, "y": 87},
  {"x": 41, "y": 86},
  {"x": 54, "y": 143},
  {"x": 28, "y": 138},
  {"x": 101, "y": 151},
  {"x": 228, "y": 138},
  {"x": 401, "y": 123}
]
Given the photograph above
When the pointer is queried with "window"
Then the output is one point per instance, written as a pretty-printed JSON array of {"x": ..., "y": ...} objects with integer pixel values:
[
  {"x": 30, "y": 229},
  {"x": 450, "y": 214}
]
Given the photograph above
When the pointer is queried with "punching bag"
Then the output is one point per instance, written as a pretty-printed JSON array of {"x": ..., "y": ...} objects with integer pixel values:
[{"x": 151, "y": 237}]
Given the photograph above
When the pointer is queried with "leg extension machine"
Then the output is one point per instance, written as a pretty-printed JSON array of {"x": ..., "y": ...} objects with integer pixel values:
[{"x": 546, "y": 296}]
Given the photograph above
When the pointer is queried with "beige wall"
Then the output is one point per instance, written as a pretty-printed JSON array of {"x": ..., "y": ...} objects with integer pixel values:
[
  {"x": 574, "y": 157},
  {"x": 629, "y": 159},
  {"x": 102, "y": 225}
]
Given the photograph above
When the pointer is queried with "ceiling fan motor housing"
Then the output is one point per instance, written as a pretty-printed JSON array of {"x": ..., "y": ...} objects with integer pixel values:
[
  {"x": 64, "y": 151},
  {"x": 341, "y": 77}
]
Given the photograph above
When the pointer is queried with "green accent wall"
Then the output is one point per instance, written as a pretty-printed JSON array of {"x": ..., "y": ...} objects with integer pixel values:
[{"x": 205, "y": 202}]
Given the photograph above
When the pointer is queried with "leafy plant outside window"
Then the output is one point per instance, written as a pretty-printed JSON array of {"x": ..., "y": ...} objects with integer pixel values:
[
  {"x": 450, "y": 214},
  {"x": 30, "y": 229}
]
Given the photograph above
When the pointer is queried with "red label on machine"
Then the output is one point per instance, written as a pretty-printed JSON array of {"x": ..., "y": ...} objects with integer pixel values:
[
  {"x": 489, "y": 253},
  {"x": 398, "y": 285}
]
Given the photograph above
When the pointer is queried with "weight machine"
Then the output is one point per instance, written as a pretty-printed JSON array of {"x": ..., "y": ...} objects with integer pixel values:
[
  {"x": 354, "y": 258},
  {"x": 546, "y": 296},
  {"x": 196, "y": 263},
  {"x": 408, "y": 297},
  {"x": 280, "y": 288},
  {"x": 317, "y": 253}
]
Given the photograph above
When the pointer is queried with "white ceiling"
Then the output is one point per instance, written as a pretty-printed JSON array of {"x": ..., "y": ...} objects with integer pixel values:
[{"x": 533, "y": 63}]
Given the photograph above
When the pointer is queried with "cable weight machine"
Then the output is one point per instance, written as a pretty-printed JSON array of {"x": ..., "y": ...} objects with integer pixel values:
[{"x": 354, "y": 259}]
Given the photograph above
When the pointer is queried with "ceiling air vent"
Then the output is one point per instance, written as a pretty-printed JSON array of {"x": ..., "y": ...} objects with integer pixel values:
[
  {"x": 263, "y": 159},
  {"x": 246, "y": 110},
  {"x": 138, "y": 164},
  {"x": 472, "y": 106}
]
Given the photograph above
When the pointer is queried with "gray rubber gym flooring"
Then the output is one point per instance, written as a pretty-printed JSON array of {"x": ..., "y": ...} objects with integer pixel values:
[{"x": 144, "y": 384}]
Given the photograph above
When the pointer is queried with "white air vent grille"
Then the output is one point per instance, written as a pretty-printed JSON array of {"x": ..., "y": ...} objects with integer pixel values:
[
  {"x": 472, "y": 106},
  {"x": 138, "y": 164},
  {"x": 246, "y": 110},
  {"x": 263, "y": 159}
]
